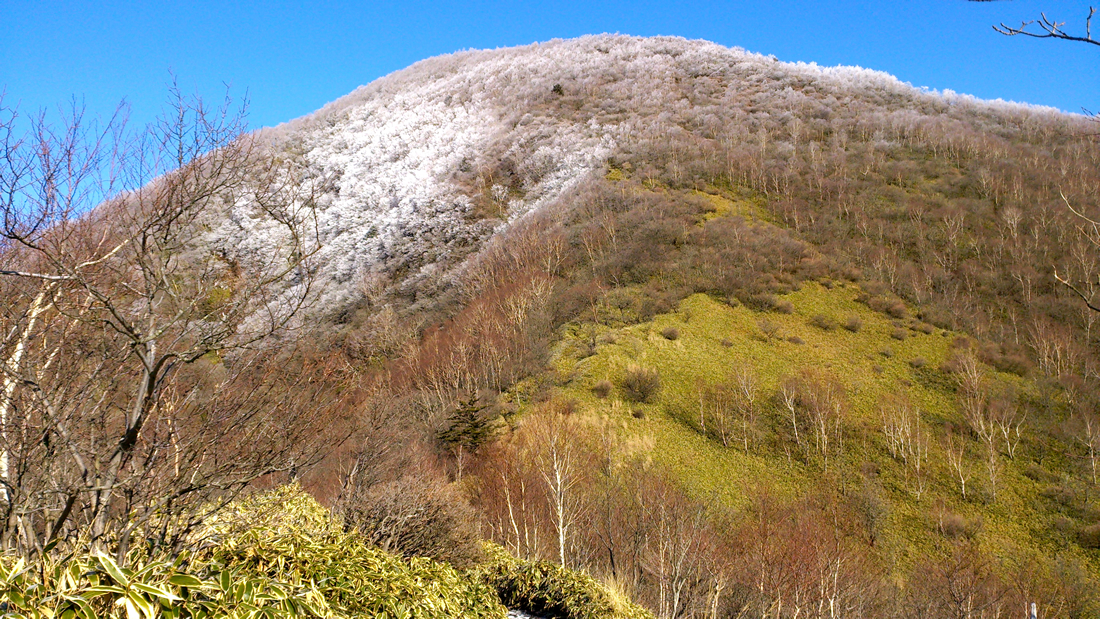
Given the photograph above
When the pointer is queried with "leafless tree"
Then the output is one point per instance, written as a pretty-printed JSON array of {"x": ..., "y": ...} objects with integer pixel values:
[
  {"x": 1089, "y": 230},
  {"x": 556, "y": 450},
  {"x": 138, "y": 348},
  {"x": 906, "y": 440},
  {"x": 748, "y": 386},
  {"x": 1047, "y": 28},
  {"x": 956, "y": 457},
  {"x": 1088, "y": 433}
]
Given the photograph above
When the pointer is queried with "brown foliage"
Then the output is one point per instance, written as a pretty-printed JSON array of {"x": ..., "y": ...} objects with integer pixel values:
[{"x": 415, "y": 516}]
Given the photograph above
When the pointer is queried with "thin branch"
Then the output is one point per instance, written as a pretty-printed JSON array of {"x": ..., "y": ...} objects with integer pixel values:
[
  {"x": 52, "y": 278},
  {"x": 1050, "y": 29}
]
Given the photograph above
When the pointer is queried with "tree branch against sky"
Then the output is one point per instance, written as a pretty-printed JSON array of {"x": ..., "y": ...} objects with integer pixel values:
[
  {"x": 131, "y": 348},
  {"x": 1048, "y": 28}
]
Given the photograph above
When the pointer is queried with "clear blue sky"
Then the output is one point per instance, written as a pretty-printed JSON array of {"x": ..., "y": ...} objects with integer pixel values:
[{"x": 293, "y": 57}]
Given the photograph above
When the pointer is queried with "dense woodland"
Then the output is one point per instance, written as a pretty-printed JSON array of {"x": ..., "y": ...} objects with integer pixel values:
[{"x": 147, "y": 383}]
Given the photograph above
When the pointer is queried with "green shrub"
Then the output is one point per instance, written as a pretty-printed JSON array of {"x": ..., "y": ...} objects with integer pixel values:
[
  {"x": 294, "y": 536},
  {"x": 279, "y": 555},
  {"x": 548, "y": 590}
]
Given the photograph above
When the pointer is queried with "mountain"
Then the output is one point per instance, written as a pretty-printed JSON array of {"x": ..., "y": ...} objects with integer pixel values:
[
  {"x": 701, "y": 296},
  {"x": 733, "y": 336},
  {"x": 429, "y": 162}
]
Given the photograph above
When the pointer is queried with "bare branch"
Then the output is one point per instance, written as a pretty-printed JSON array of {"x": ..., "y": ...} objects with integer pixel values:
[{"x": 1049, "y": 29}]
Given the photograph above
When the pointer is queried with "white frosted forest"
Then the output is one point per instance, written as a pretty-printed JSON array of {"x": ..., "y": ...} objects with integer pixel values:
[{"x": 427, "y": 163}]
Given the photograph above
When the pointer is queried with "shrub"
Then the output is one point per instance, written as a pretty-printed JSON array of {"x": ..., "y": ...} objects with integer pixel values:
[
  {"x": 670, "y": 333},
  {"x": 640, "y": 384},
  {"x": 1037, "y": 473},
  {"x": 1089, "y": 537},
  {"x": 896, "y": 309},
  {"x": 917, "y": 363},
  {"x": 898, "y": 334},
  {"x": 768, "y": 328},
  {"x": 853, "y": 324},
  {"x": 760, "y": 302},
  {"x": 602, "y": 389},
  {"x": 954, "y": 525},
  {"x": 415, "y": 517},
  {"x": 794, "y": 339},
  {"x": 726, "y": 342},
  {"x": 823, "y": 322},
  {"x": 886, "y": 352},
  {"x": 279, "y": 554},
  {"x": 549, "y": 590},
  {"x": 768, "y": 302},
  {"x": 287, "y": 534}
]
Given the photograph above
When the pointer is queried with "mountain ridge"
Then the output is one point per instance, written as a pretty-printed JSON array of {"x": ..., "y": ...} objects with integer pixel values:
[{"x": 429, "y": 162}]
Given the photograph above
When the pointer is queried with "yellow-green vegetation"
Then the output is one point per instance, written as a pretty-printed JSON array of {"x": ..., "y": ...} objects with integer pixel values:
[
  {"x": 549, "y": 590},
  {"x": 880, "y": 360},
  {"x": 280, "y": 554},
  {"x": 747, "y": 206}
]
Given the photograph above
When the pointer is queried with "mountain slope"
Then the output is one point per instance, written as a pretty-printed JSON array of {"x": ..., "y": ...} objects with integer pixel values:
[
  {"x": 735, "y": 335},
  {"x": 427, "y": 163}
]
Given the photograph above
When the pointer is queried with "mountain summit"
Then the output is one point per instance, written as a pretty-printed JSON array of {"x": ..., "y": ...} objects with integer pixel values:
[{"x": 427, "y": 163}]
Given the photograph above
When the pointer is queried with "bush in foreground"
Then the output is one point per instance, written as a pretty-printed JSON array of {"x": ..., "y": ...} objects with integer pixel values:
[
  {"x": 549, "y": 590},
  {"x": 278, "y": 555}
]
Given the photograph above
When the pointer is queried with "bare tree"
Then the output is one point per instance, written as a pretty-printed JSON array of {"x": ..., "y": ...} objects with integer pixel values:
[
  {"x": 906, "y": 440},
  {"x": 1047, "y": 28},
  {"x": 956, "y": 457},
  {"x": 747, "y": 383},
  {"x": 558, "y": 455},
  {"x": 1088, "y": 433},
  {"x": 136, "y": 357},
  {"x": 820, "y": 398},
  {"x": 1089, "y": 230}
]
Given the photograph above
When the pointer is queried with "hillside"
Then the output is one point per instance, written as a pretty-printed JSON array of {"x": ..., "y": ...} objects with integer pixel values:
[{"x": 733, "y": 336}]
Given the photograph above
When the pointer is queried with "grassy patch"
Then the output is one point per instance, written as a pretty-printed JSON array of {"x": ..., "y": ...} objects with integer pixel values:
[{"x": 715, "y": 340}]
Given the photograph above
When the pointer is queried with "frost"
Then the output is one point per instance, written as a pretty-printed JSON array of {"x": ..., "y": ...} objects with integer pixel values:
[{"x": 411, "y": 154}]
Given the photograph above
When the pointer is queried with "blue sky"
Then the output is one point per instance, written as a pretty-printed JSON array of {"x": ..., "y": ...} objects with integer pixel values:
[{"x": 292, "y": 60}]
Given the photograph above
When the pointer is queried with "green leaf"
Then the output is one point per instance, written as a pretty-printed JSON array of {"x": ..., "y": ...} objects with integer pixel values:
[
  {"x": 131, "y": 611},
  {"x": 103, "y": 590},
  {"x": 157, "y": 592},
  {"x": 185, "y": 580},
  {"x": 143, "y": 604},
  {"x": 112, "y": 568},
  {"x": 82, "y": 605}
]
